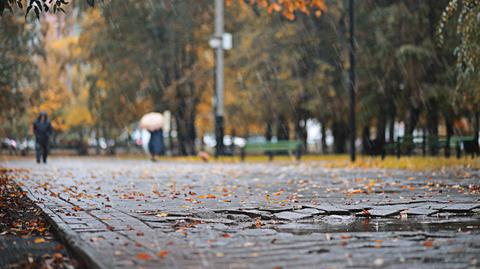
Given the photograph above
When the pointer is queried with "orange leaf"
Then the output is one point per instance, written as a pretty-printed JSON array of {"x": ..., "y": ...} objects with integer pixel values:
[
  {"x": 162, "y": 254},
  {"x": 258, "y": 223},
  {"x": 143, "y": 256},
  {"x": 39, "y": 240},
  {"x": 428, "y": 243}
]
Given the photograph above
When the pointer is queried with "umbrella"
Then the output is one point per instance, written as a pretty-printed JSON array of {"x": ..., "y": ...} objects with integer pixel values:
[{"x": 152, "y": 121}]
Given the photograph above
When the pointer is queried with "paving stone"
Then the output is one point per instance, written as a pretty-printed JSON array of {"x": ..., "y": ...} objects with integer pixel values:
[
  {"x": 383, "y": 212},
  {"x": 330, "y": 209},
  {"x": 288, "y": 215},
  {"x": 421, "y": 211},
  {"x": 263, "y": 214},
  {"x": 309, "y": 211},
  {"x": 276, "y": 209},
  {"x": 461, "y": 207},
  {"x": 356, "y": 207}
]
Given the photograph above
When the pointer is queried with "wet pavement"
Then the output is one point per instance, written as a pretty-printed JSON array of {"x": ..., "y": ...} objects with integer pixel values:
[{"x": 133, "y": 213}]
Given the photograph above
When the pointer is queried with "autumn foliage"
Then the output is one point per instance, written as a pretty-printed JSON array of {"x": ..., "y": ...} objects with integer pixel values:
[{"x": 288, "y": 7}]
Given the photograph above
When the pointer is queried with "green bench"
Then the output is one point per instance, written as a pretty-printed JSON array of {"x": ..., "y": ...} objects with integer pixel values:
[
  {"x": 412, "y": 142},
  {"x": 270, "y": 148}
]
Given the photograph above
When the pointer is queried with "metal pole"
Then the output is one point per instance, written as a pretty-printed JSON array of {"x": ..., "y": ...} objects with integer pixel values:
[
  {"x": 219, "y": 128},
  {"x": 352, "y": 82}
]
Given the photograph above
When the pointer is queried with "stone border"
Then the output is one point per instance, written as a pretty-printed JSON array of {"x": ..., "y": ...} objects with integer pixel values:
[{"x": 79, "y": 249}]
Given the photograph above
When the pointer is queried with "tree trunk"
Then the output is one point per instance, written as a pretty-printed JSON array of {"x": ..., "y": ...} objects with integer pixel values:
[
  {"x": 391, "y": 130},
  {"x": 380, "y": 137},
  {"x": 323, "y": 131},
  {"x": 268, "y": 131},
  {"x": 340, "y": 135},
  {"x": 432, "y": 127},
  {"x": 476, "y": 125},
  {"x": 282, "y": 128},
  {"x": 181, "y": 129},
  {"x": 301, "y": 132},
  {"x": 366, "y": 142},
  {"x": 170, "y": 137},
  {"x": 97, "y": 140},
  {"x": 449, "y": 127},
  {"x": 412, "y": 121},
  {"x": 192, "y": 133}
]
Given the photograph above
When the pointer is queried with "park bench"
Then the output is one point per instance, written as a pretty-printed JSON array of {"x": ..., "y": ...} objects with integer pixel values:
[
  {"x": 466, "y": 144},
  {"x": 272, "y": 148}
]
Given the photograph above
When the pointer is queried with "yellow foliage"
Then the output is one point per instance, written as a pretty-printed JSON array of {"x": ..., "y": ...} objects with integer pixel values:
[
  {"x": 78, "y": 116},
  {"x": 288, "y": 7}
]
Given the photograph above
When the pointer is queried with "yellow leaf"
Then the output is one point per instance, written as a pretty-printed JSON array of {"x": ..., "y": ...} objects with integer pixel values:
[{"x": 39, "y": 240}]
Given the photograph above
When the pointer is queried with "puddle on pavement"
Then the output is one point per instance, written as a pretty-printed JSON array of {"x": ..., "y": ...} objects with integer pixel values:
[{"x": 339, "y": 224}]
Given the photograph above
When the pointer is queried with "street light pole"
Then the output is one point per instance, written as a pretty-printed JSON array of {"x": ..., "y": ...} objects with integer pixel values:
[
  {"x": 219, "y": 111},
  {"x": 352, "y": 81}
]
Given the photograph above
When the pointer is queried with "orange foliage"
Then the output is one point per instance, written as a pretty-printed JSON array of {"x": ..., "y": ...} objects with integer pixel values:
[{"x": 288, "y": 7}]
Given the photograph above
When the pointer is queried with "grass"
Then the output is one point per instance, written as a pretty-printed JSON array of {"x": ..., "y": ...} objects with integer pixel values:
[
  {"x": 335, "y": 161},
  {"x": 409, "y": 163},
  {"x": 343, "y": 161}
]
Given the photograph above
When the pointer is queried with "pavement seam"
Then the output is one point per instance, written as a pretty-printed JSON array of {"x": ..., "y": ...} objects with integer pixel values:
[{"x": 80, "y": 250}]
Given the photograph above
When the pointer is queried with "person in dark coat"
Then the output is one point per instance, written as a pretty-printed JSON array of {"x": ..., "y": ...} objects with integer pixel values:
[
  {"x": 42, "y": 128},
  {"x": 155, "y": 144}
]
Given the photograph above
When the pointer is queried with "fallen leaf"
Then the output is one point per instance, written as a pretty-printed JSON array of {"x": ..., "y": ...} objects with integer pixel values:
[
  {"x": 39, "y": 240},
  {"x": 354, "y": 191},
  {"x": 143, "y": 256},
  {"x": 58, "y": 257},
  {"x": 365, "y": 212},
  {"x": 428, "y": 243},
  {"x": 162, "y": 253},
  {"x": 258, "y": 223}
]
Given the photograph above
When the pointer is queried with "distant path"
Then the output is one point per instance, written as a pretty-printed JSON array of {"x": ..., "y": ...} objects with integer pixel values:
[{"x": 138, "y": 214}]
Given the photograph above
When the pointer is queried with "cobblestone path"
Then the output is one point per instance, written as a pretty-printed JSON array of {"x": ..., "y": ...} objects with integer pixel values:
[{"x": 137, "y": 214}]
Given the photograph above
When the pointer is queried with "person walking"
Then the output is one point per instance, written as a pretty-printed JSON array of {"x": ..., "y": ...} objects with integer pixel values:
[
  {"x": 42, "y": 128},
  {"x": 155, "y": 144}
]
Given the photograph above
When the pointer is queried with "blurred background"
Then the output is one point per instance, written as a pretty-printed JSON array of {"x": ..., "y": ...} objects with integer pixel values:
[{"x": 96, "y": 71}]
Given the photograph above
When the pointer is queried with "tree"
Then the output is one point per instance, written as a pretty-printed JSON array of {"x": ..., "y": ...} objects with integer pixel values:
[{"x": 18, "y": 73}]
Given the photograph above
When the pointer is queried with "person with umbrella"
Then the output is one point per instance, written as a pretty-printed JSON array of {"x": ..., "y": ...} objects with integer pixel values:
[
  {"x": 42, "y": 128},
  {"x": 153, "y": 122}
]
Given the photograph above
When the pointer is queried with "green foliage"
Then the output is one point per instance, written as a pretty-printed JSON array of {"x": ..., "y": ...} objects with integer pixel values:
[{"x": 18, "y": 73}]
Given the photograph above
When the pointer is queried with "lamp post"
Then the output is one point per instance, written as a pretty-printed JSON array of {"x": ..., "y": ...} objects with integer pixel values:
[
  {"x": 219, "y": 128},
  {"x": 352, "y": 82},
  {"x": 220, "y": 41}
]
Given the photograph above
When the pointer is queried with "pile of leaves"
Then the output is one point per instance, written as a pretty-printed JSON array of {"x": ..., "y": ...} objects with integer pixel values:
[{"x": 25, "y": 237}]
